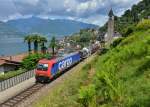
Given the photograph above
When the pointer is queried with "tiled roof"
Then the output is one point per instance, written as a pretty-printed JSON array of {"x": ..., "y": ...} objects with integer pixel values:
[
  {"x": 16, "y": 58},
  {"x": 9, "y": 62},
  {"x": 2, "y": 62}
]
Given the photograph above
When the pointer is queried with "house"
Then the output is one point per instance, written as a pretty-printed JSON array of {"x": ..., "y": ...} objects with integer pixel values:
[
  {"x": 115, "y": 36},
  {"x": 8, "y": 65}
]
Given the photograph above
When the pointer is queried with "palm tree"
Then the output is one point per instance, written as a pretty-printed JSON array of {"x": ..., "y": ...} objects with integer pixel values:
[
  {"x": 53, "y": 45},
  {"x": 28, "y": 39},
  {"x": 36, "y": 41},
  {"x": 43, "y": 40}
]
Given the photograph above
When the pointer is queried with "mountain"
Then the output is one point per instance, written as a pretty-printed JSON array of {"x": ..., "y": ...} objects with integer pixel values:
[
  {"x": 47, "y": 26},
  {"x": 8, "y": 32}
]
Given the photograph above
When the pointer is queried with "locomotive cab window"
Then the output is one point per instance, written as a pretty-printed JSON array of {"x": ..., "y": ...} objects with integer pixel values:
[{"x": 42, "y": 67}]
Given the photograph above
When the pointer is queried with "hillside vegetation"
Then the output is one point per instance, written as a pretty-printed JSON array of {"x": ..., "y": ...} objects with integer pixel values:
[
  {"x": 131, "y": 17},
  {"x": 123, "y": 74}
]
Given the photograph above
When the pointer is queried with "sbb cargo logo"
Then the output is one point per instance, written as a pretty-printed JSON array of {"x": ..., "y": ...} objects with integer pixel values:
[{"x": 65, "y": 63}]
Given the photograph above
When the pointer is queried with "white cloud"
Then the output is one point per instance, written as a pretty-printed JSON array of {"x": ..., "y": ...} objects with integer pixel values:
[
  {"x": 91, "y": 11},
  {"x": 96, "y": 19}
]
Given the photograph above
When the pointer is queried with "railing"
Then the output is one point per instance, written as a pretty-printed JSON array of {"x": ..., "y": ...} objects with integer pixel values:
[{"x": 5, "y": 84}]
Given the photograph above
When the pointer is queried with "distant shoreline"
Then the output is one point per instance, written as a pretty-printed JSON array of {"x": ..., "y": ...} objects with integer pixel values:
[{"x": 16, "y": 58}]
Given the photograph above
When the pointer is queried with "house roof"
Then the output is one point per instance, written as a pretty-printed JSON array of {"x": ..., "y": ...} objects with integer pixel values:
[
  {"x": 15, "y": 58},
  {"x": 3, "y": 61}
]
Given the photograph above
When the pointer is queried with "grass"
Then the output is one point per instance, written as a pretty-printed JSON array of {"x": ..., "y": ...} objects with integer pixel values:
[
  {"x": 65, "y": 94},
  {"x": 11, "y": 74},
  {"x": 123, "y": 74}
]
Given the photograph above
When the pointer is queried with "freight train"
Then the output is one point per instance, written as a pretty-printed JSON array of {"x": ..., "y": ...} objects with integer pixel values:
[{"x": 47, "y": 69}]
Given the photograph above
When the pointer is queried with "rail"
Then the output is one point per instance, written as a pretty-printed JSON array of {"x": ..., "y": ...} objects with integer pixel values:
[
  {"x": 8, "y": 83},
  {"x": 12, "y": 102}
]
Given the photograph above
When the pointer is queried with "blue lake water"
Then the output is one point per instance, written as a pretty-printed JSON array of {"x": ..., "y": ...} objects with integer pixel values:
[{"x": 12, "y": 46}]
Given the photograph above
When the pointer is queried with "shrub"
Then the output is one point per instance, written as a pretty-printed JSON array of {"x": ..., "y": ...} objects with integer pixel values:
[
  {"x": 11, "y": 74},
  {"x": 86, "y": 94},
  {"x": 128, "y": 31},
  {"x": 116, "y": 42},
  {"x": 31, "y": 61},
  {"x": 143, "y": 25}
]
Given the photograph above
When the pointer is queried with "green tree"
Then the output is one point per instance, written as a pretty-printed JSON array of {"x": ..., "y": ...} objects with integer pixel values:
[
  {"x": 28, "y": 39},
  {"x": 53, "y": 44},
  {"x": 36, "y": 40},
  {"x": 43, "y": 40}
]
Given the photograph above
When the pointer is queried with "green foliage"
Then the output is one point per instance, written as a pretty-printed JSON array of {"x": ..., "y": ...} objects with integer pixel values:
[
  {"x": 36, "y": 39},
  {"x": 128, "y": 31},
  {"x": 116, "y": 42},
  {"x": 84, "y": 37},
  {"x": 42, "y": 42},
  {"x": 103, "y": 28},
  {"x": 131, "y": 17},
  {"x": 123, "y": 74},
  {"x": 86, "y": 95},
  {"x": 53, "y": 44},
  {"x": 28, "y": 39},
  {"x": 11, "y": 74},
  {"x": 31, "y": 61},
  {"x": 144, "y": 25}
]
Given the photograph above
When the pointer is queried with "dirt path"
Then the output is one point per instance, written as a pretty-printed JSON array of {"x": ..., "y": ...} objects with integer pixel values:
[{"x": 43, "y": 92}]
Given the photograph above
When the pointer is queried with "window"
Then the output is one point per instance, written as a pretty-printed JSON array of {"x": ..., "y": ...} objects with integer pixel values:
[{"x": 42, "y": 67}]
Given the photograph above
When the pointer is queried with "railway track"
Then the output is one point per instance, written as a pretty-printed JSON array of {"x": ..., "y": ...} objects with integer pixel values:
[{"x": 22, "y": 96}]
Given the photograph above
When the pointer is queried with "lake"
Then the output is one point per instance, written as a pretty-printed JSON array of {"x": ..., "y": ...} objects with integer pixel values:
[{"x": 12, "y": 46}]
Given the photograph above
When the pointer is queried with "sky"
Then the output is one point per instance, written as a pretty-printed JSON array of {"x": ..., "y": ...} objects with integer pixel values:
[{"x": 89, "y": 11}]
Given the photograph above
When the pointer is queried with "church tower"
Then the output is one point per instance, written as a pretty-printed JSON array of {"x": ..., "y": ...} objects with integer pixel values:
[{"x": 110, "y": 30}]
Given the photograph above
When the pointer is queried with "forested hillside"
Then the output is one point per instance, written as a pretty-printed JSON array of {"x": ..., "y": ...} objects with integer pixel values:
[{"x": 131, "y": 17}]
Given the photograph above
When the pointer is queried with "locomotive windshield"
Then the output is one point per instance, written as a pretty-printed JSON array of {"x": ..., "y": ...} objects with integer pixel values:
[{"x": 42, "y": 67}]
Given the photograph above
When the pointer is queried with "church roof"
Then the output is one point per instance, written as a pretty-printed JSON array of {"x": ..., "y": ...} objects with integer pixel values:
[{"x": 111, "y": 13}]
